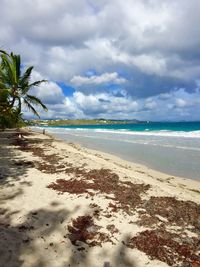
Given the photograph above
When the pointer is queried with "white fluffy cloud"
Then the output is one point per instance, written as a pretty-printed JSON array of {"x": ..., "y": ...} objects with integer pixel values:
[
  {"x": 178, "y": 103},
  {"x": 49, "y": 91},
  {"x": 97, "y": 80}
]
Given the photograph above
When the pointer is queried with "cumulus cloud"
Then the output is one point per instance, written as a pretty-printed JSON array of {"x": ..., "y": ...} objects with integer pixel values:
[
  {"x": 97, "y": 80},
  {"x": 49, "y": 91},
  {"x": 176, "y": 104}
]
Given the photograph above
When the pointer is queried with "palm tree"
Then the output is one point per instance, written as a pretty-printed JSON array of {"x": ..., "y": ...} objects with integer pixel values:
[{"x": 15, "y": 85}]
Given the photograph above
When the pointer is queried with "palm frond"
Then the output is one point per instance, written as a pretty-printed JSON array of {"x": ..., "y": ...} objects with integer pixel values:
[
  {"x": 30, "y": 107},
  {"x": 16, "y": 66},
  {"x": 3, "y": 52},
  {"x": 5, "y": 77},
  {"x": 26, "y": 76},
  {"x": 36, "y": 101},
  {"x": 4, "y": 95},
  {"x": 37, "y": 83},
  {"x": 15, "y": 86},
  {"x": 8, "y": 68},
  {"x": 2, "y": 85}
]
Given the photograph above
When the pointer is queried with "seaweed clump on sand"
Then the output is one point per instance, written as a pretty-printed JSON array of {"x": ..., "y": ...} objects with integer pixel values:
[
  {"x": 164, "y": 214},
  {"x": 49, "y": 163},
  {"x": 175, "y": 212},
  {"x": 84, "y": 230},
  {"x": 126, "y": 194},
  {"x": 167, "y": 247}
]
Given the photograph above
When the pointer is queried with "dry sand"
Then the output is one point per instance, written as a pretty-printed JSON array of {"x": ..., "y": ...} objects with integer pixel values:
[{"x": 64, "y": 205}]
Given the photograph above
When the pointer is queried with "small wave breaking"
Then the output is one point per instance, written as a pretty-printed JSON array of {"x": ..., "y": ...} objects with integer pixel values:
[{"x": 146, "y": 132}]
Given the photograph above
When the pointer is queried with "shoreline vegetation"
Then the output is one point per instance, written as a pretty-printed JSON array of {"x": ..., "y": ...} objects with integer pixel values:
[
  {"x": 64, "y": 122},
  {"x": 65, "y": 205}
]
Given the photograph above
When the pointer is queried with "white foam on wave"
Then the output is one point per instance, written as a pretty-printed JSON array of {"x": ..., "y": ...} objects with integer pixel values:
[
  {"x": 192, "y": 134},
  {"x": 147, "y": 132},
  {"x": 88, "y": 133}
]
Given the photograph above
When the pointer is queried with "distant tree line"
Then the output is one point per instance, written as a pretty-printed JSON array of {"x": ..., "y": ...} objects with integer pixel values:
[{"x": 15, "y": 85}]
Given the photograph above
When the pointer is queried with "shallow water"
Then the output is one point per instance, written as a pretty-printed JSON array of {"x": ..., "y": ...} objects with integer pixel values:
[{"x": 172, "y": 152}]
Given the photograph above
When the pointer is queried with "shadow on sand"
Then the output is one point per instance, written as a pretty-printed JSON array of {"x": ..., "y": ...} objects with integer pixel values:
[{"x": 32, "y": 244}]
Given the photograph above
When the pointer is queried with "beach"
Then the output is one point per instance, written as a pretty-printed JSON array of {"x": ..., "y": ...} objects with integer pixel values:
[
  {"x": 62, "y": 204},
  {"x": 172, "y": 148}
]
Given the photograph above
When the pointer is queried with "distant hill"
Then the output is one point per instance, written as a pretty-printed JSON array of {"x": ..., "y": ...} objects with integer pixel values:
[{"x": 100, "y": 121}]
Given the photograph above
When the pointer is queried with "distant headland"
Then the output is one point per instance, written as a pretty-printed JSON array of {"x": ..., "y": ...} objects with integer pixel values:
[{"x": 60, "y": 122}]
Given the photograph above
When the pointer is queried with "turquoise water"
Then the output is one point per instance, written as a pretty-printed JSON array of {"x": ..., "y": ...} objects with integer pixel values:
[
  {"x": 152, "y": 126},
  {"x": 172, "y": 148}
]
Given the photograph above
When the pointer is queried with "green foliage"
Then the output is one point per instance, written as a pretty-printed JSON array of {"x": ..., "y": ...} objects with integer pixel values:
[
  {"x": 61, "y": 122},
  {"x": 10, "y": 119},
  {"x": 14, "y": 90}
]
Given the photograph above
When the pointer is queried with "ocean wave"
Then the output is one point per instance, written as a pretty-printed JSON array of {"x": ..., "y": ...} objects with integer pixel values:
[
  {"x": 154, "y": 142},
  {"x": 167, "y": 133},
  {"x": 146, "y": 132}
]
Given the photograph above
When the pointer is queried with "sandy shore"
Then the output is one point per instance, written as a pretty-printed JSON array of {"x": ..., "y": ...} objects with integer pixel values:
[{"x": 64, "y": 205}]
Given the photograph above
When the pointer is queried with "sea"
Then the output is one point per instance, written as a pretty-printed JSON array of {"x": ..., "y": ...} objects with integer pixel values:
[{"x": 169, "y": 147}]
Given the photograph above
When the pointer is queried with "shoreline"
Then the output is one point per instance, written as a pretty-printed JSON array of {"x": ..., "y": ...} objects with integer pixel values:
[
  {"x": 145, "y": 174},
  {"x": 146, "y": 165},
  {"x": 65, "y": 205}
]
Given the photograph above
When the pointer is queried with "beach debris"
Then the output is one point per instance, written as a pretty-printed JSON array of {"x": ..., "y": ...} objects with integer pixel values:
[
  {"x": 96, "y": 209},
  {"x": 50, "y": 162},
  {"x": 178, "y": 247},
  {"x": 177, "y": 212},
  {"x": 113, "y": 207},
  {"x": 112, "y": 229},
  {"x": 167, "y": 247},
  {"x": 24, "y": 163},
  {"x": 23, "y": 228},
  {"x": 84, "y": 230},
  {"x": 126, "y": 194},
  {"x": 195, "y": 264},
  {"x": 103, "y": 181},
  {"x": 147, "y": 220}
]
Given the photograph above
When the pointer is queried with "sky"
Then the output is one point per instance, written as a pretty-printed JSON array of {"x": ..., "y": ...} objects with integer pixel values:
[{"x": 116, "y": 59}]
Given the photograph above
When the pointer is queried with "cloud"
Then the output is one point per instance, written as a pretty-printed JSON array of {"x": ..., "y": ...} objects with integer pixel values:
[
  {"x": 177, "y": 104},
  {"x": 98, "y": 80},
  {"x": 131, "y": 32},
  {"x": 101, "y": 104},
  {"x": 49, "y": 91},
  {"x": 145, "y": 48}
]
